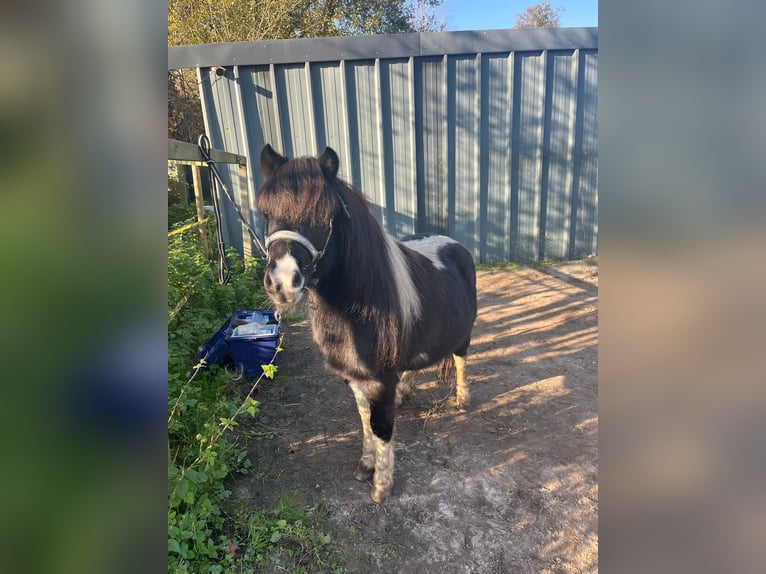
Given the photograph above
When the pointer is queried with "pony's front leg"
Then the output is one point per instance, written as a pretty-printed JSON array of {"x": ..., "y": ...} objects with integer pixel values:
[
  {"x": 383, "y": 479},
  {"x": 366, "y": 466},
  {"x": 375, "y": 401},
  {"x": 382, "y": 422}
]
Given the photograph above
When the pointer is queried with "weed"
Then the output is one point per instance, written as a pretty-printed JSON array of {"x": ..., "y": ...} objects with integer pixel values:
[
  {"x": 204, "y": 407},
  {"x": 497, "y": 265},
  {"x": 512, "y": 264},
  {"x": 289, "y": 538},
  {"x": 203, "y": 404}
]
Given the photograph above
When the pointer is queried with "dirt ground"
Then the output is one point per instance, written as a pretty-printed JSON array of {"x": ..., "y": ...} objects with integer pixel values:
[{"x": 509, "y": 486}]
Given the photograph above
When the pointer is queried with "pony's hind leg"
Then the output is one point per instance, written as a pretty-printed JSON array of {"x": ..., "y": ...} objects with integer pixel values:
[
  {"x": 463, "y": 395},
  {"x": 444, "y": 372},
  {"x": 366, "y": 466},
  {"x": 405, "y": 387}
]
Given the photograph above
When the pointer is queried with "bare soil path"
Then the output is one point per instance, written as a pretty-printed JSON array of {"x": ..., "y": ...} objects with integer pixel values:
[{"x": 509, "y": 486}]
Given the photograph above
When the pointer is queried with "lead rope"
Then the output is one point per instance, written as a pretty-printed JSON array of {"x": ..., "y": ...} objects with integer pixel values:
[
  {"x": 217, "y": 181},
  {"x": 224, "y": 273}
]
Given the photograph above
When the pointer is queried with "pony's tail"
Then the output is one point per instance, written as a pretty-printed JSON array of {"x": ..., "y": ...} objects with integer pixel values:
[{"x": 444, "y": 370}]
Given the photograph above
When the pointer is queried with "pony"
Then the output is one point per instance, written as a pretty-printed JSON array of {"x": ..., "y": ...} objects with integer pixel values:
[{"x": 379, "y": 308}]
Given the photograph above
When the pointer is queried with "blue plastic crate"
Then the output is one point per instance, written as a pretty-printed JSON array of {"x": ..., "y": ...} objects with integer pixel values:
[{"x": 245, "y": 352}]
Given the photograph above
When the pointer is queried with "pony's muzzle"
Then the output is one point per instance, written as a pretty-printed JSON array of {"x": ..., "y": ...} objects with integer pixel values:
[{"x": 284, "y": 281}]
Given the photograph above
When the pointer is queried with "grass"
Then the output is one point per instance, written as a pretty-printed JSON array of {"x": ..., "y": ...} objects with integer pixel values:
[
  {"x": 288, "y": 539},
  {"x": 544, "y": 263}
]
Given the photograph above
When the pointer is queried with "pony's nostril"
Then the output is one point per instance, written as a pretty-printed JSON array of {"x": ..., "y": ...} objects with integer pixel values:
[
  {"x": 297, "y": 280},
  {"x": 267, "y": 281}
]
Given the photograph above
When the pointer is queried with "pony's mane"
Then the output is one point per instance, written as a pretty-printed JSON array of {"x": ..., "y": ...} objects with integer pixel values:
[{"x": 376, "y": 274}]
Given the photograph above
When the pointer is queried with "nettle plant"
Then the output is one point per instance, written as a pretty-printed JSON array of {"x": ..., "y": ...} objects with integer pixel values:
[{"x": 204, "y": 405}]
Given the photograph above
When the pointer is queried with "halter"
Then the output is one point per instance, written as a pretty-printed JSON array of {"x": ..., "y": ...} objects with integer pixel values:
[
  {"x": 316, "y": 254},
  {"x": 286, "y": 235}
]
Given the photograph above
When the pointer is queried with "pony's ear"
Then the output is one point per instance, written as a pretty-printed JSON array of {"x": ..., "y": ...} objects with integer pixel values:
[
  {"x": 329, "y": 163},
  {"x": 270, "y": 161}
]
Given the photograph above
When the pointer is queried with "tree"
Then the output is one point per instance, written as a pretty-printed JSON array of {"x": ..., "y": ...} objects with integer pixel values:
[
  {"x": 208, "y": 21},
  {"x": 211, "y": 21},
  {"x": 184, "y": 110},
  {"x": 540, "y": 15},
  {"x": 426, "y": 16}
]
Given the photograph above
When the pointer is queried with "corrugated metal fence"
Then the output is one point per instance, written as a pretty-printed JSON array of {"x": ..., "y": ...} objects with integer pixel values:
[{"x": 489, "y": 137}]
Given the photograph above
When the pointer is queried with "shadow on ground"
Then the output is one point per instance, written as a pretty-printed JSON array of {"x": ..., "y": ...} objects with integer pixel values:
[{"x": 509, "y": 486}]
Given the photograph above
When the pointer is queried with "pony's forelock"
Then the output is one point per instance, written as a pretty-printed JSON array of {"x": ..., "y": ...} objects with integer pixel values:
[{"x": 296, "y": 193}]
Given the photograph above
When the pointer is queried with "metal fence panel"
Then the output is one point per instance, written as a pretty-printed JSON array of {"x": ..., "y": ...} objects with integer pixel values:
[
  {"x": 465, "y": 150},
  {"x": 560, "y": 136},
  {"x": 497, "y": 93},
  {"x": 397, "y": 111},
  {"x": 489, "y": 137},
  {"x": 430, "y": 129},
  {"x": 586, "y": 230}
]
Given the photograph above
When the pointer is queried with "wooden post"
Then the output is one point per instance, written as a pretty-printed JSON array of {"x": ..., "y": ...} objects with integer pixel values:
[
  {"x": 244, "y": 205},
  {"x": 200, "y": 209}
]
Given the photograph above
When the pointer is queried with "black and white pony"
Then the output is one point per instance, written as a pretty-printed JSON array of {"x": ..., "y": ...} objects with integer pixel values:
[{"x": 378, "y": 307}]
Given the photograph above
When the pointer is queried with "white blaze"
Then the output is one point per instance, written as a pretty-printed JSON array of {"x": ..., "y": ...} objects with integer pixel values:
[{"x": 284, "y": 270}]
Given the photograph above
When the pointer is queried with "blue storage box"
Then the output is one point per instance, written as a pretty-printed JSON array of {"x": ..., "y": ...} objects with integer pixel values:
[{"x": 247, "y": 340}]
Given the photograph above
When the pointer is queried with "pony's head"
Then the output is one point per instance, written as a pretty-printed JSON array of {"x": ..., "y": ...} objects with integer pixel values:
[{"x": 299, "y": 206}]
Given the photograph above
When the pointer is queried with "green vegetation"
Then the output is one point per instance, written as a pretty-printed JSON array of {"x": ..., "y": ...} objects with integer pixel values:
[
  {"x": 207, "y": 532},
  {"x": 543, "y": 263},
  {"x": 497, "y": 265},
  {"x": 288, "y": 539}
]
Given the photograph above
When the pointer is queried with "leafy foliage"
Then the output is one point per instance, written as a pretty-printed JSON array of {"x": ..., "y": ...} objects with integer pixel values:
[
  {"x": 208, "y": 21},
  {"x": 287, "y": 536},
  {"x": 178, "y": 207},
  {"x": 185, "y": 121},
  {"x": 203, "y": 404},
  {"x": 206, "y": 531},
  {"x": 539, "y": 15}
]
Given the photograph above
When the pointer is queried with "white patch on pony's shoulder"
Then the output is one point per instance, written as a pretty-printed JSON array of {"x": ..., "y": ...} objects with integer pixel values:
[
  {"x": 429, "y": 247},
  {"x": 409, "y": 299}
]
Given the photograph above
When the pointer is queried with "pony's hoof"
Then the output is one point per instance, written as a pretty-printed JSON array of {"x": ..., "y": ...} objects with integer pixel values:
[
  {"x": 363, "y": 474},
  {"x": 463, "y": 401},
  {"x": 379, "y": 495}
]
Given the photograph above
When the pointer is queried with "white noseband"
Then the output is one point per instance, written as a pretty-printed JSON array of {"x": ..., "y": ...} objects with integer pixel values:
[
  {"x": 286, "y": 235},
  {"x": 298, "y": 238}
]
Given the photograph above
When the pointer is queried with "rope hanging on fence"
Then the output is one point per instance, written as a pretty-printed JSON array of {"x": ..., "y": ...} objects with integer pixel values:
[{"x": 217, "y": 182}]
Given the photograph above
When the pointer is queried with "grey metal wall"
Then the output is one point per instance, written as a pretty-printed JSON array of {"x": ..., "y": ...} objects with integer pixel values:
[{"x": 489, "y": 137}]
